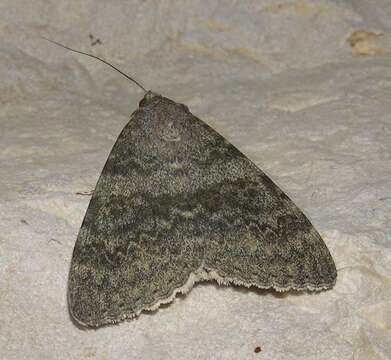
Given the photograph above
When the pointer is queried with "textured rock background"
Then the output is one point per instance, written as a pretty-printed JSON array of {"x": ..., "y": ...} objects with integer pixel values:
[{"x": 301, "y": 87}]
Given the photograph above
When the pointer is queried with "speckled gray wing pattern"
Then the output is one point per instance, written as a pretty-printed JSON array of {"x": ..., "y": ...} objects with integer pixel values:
[{"x": 176, "y": 199}]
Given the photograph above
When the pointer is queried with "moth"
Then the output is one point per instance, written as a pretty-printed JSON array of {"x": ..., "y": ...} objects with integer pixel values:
[{"x": 177, "y": 203}]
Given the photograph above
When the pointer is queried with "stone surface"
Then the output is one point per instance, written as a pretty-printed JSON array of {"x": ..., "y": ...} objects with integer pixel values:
[{"x": 302, "y": 88}]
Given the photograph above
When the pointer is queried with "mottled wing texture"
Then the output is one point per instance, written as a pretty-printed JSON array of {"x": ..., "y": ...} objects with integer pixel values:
[{"x": 177, "y": 203}]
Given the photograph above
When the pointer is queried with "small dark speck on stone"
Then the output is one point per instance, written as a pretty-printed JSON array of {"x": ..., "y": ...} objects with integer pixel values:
[
  {"x": 94, "y": 41},
  {"x": 54, "y": 240},
  {"x": 85, "y": 193},
  {"x": 257, "y": 349}
]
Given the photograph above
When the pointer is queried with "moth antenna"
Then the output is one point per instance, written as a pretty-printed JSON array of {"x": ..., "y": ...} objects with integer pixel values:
[{"x": 98, "y": 58}]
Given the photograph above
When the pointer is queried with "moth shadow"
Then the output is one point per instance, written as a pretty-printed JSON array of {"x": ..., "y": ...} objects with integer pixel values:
[
  {"x": 224, "y": 287},
  {"x": 252, "y": 289}
]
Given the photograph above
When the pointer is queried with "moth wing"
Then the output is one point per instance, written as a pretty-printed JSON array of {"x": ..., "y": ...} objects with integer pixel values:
[
  {"x": 266, "y": 241},
  {"x": 132, "y": 253}
]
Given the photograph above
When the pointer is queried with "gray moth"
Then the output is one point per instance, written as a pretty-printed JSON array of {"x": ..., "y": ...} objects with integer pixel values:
[{"x": 177, "y": 203}]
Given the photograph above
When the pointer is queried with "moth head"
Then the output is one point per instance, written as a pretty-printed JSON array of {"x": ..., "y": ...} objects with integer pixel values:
[{"x": 149, "y": 97}]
